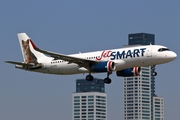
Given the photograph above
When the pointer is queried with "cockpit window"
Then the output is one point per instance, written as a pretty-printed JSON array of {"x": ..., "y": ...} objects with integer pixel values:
[{"x": 163, "y": 49}]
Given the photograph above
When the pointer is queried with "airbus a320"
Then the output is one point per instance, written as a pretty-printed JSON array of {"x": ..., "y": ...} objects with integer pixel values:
[{"x": 126, "y": 61}]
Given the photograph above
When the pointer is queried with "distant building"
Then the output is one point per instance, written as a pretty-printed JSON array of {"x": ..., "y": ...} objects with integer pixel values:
[
  {"x": 141, "y": 39},
  {"x": 139, "y": 91},
  {"x": 89, "y": 102},
  {"x": 158, "y": 108},
  {"x": 97, "y": 85}
]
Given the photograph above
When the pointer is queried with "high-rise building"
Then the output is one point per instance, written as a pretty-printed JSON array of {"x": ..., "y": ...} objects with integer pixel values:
[
  {"x": 89, "y": 102},
  {"x": 137, "y": 96},
  {"x": 141, "y": 39},
  {"x": 139, "y": 91},
  {"x": 158, "y": 108}
]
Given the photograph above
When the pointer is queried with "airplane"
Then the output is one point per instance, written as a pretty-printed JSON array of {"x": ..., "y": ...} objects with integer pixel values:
[{"x": 125, "y": 61}]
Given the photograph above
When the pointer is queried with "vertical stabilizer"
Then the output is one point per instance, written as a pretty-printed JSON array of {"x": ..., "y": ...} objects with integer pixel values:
[{"x": 29, "y": 54}]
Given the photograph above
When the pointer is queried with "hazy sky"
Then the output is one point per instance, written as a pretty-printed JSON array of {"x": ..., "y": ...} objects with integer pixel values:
[{"x": 81, "y": 25}]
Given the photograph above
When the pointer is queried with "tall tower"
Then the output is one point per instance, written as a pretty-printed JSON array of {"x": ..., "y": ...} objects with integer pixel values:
[
  {"x": 140, "y": 90},
  {"x": 89, "y": 102},
  {"x": 144, "y": 39}
]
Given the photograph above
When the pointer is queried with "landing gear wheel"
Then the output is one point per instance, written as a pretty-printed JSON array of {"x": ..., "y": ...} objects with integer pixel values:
[
  {"x": 153, "y": 70},
  {"x": 107, "y": 80},
  {"x": 89, "y": 78},
  {"x": 153, "y": 67},
  {"x": 154, "y": 73}
]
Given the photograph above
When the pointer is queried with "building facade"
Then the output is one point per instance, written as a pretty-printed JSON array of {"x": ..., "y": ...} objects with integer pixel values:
[
  {"x": 139, "y": 91},
  {"x": 158, "y": 108},
  {"x": 89, "y": 102},
  {"x": 141, "y": 39},
  {"x": 137, "y": 96}
]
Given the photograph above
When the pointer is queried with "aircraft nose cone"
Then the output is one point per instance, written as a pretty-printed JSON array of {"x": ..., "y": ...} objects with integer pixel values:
[{"x": 173, "y": 55}]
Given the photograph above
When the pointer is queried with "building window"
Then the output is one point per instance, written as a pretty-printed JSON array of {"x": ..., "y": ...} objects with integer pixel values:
[
  {"x": 76, "y": 100},
  {"x": 76, "y": 116},
  {"x": 90, "y": 96},
  {"x": 83, "y": 96},
  {"x": 76, "y": 97}
]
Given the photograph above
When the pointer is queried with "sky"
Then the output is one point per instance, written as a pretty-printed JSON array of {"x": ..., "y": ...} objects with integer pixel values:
[{"x": 81, "y": 25}]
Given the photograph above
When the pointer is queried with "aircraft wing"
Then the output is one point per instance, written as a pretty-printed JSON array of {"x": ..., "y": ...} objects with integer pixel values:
[
  {"x": 80, "y": 61},
  {"x": 19, "y": 63}
]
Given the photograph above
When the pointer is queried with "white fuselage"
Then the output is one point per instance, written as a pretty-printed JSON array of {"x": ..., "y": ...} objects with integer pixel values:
[{"x": 127, "y": 57}]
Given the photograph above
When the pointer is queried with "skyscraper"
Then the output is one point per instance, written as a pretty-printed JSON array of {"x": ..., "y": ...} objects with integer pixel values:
[
  {"x": 139, "y": 91},
  {"x": 90, "y": 100}
]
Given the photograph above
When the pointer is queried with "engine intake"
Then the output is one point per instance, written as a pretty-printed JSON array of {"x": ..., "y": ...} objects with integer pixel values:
[
  {"x": 129, "y": 72},
  {"x": 108, "y": 66}
]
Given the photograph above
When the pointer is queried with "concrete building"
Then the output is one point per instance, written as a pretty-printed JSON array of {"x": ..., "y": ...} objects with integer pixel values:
[
  {"x": 141, "y": 39},
  {"x": 137, "y": 96},
  {"x": 158, "y": 108},
  {"x": 139, "y": 91},
  {"x": 89, "y": 101}
]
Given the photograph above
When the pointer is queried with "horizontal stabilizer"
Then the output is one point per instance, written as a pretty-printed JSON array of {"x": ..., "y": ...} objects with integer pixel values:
[
  {"x": 25, "y": 65},
  {"x": 19, "y": 63}
]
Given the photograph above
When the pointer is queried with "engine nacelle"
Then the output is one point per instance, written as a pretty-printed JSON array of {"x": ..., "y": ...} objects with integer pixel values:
[
  {"x": 129, "y": 72},
  {"x": 108, "y": 66}
]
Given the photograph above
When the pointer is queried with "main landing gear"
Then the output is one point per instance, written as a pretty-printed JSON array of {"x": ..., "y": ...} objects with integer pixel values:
[
  {"x": 107, "y": 80},
  {"x": 153, "y": 70}
]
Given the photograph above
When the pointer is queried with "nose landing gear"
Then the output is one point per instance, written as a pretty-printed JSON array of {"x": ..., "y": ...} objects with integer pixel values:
[{"x": 153, "y": 70}]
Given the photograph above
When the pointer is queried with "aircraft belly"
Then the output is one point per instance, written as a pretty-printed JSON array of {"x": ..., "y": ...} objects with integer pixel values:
[
  {"x": 143, "y": 61},
  {"x": 63, "y": 69},
  {"x": 68, "y": 70},
  {"x": 132, "y": 62}
]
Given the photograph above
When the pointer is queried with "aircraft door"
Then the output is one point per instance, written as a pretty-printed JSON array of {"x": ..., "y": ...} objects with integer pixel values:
[{"x": 149, "y": 51}]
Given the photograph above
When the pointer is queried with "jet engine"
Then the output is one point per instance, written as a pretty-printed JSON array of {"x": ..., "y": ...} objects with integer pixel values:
[
  {"x": 129, "y": 72},
  {"x": 107, "y": 66}
]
